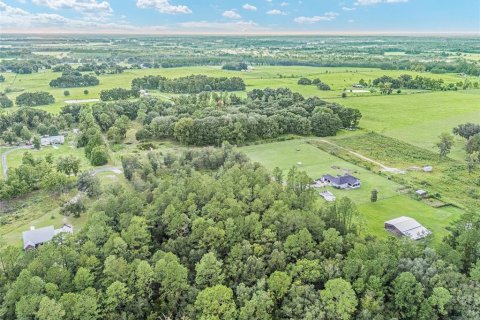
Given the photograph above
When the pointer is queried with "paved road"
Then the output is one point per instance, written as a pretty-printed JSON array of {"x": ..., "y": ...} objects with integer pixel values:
[{"x": 4, "y": 159}]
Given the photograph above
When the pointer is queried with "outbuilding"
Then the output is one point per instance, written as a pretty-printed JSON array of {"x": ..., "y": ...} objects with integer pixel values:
[
  {"x": 408, "y": 227},
  {"x": 35, "y": 237}
]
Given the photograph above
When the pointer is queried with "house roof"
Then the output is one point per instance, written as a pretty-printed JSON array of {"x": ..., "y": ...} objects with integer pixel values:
[
  {"x": 37, "y": 236},
  {"x": 409, "y": 227},
  {"x": 342, "y": 179},
  {"x": 31, "y": 238}
]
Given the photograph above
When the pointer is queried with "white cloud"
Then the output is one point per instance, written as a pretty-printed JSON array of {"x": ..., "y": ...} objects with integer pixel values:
[
  {"x": 373, "y": 2},
  {"x": 348, "y": 9},
  {"x": 276, "y": 12},
  {"x": 239, "y": 26},
  {"x": 164, "y": 6},
  {"x": 231, "y": 14},
  {"x": 249, "y": 7},
  {"x": 284, "y": 4},
  {"x": 7, "y": 10},
  {"x": 328, "y": 16},
  {"x": 77, "y": 5}
]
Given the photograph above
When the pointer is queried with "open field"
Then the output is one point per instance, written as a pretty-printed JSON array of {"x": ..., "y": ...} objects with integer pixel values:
[
  {"x": 393, "y": 202},
  {"x": 262, "y": 77}
]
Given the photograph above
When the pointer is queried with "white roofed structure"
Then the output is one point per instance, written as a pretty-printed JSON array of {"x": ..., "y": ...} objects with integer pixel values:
[{"x": 406, "y": 226}]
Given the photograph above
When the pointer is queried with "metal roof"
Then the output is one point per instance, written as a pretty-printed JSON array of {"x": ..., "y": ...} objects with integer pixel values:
[
  {"x": 342, "y": 179},
  {"x": 37, "y": 236},
  {"x": 409, "y": 227}
]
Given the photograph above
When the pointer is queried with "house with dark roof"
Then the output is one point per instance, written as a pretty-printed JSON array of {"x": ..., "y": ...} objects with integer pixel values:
[
  {"x": 35, "y": 237},
  {"x": 341, "y": 182}
]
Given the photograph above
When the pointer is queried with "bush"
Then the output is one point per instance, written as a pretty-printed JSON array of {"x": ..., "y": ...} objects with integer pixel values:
[
  {"x": 5, "y": 102},
  {"x": 66, "y": 93},
  {"x": 85, "y": 92},
  {"x": 99, "y": 156}
]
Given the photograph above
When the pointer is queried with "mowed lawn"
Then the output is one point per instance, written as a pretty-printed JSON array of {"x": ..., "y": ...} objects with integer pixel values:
[{"x": 391, "y": 204}]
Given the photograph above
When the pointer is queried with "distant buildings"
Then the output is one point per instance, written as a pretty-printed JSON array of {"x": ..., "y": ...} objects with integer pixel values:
[
  {"x": 35, "y": 237},
  {"x": 341, "y": 182},
  {"x": 408, "y": 227},
  {"x": 52, "y": 140}
]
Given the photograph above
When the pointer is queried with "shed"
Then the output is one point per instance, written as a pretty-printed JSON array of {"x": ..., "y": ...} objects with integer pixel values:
[
  {"x": 427, "y": 168},
  {"x": 421, "y": 193},
  {"x": 408, "y": 227}
]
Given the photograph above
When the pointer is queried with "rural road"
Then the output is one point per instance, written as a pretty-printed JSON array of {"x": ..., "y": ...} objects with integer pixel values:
[
  {"x": 4, "y": 159},
  {"x": 107, "y": 168},
  {"x": 361, "y": 156}
]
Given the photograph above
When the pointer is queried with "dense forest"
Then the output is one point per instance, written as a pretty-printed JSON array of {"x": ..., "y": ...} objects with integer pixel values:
[
  {"x": 210, "y": 118},
  {"x": 209, "y": 235}
]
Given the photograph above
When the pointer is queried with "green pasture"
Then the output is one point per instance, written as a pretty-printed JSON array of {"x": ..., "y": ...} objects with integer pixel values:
[
  {"x": 419, "y": 118},
  {"x": 261, "y": 77},
  {"x": 392, "y": 201}
]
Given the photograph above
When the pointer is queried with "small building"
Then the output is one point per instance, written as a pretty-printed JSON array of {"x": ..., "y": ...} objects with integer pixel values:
[
  {"x": 328, "y": 196},
  {"x": 342, "y": 182},
  {"x": 408, "y": 227},
  {"x": 52, "y": 140},
  {"x": 143, "y": 92},
  {"x": 35, "y": 237},
  {"x": 357, "y": 85},
  {"x": 421, "y": 193}
]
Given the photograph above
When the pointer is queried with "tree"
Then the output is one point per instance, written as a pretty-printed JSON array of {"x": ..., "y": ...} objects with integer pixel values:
[
  {"x": 85, "y": 92},
  {"x": 344, "y": 94},
  {"x": 99, "y": 156},
  {"x": 473, "y": 143},
  {"x": 68, "y": 165},
  {"x": 278, "y": 284},
  {"x": 374, "y": 195},
  {"x": 445, "y": 144},
  {"x": 83, "y": 279},
  {"x": 339, "y": 299},
  {"x": 472, "y": 161},
  {"x": 5, "y": 102},
  {"x": 208, "y": 271},
  {"x": 325, "y": 123},
  {"x": 467, "y": 130},
  {"x": 49, "y": 309},
  {"x": 304, "y": 81},
  {"x": 89, "y": 183},
  {"x": 73, "y": 207},
  {"x": 407, "y": 294},
  {"x": 215, "y": 303},
  {"x": 36, "y": 142},
  {"x": 66, "y": 93}
]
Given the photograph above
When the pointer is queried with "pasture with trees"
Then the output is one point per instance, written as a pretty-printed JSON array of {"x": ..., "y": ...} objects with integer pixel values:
[{"x": 191, "y": 171}]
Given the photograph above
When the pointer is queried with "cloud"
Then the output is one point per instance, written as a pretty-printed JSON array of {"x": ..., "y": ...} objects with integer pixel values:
[
  {"x": 231, "y": 14},
  {"x": 373, "y": 2},
  {"x": 284, "y": 4},
  {"x": 226, "y": 27},
  {"x": 276, "y": 12},
  {"x": 249, "y": 7},
  {"x": 328, "y": 16},
  {"x": 348, "y": 9},
  {"x": 164, "y": 6},
  {"x": 77, "y": 5}
]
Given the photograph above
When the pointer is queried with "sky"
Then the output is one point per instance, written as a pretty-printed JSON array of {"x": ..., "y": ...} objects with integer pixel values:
[{"x": 240, "y": 17}]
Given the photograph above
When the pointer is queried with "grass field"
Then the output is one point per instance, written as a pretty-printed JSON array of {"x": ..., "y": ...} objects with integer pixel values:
[
  {"x": 262, "y": 77},
  {"x": 392, "y": 200}
]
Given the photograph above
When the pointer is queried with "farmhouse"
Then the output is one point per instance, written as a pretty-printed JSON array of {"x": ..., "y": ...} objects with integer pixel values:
[
  {"x": 35, "y": 237},
  {"x": 51, "y": 140},
  {"x": 342, "y": 182},
  {"x": 408, "y": 227}
]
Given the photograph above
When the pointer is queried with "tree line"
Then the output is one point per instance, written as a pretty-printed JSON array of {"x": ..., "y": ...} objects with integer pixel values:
[
  {"x": 191, "y": 84},
  {"x": 72, "y": 79},
  {"x": 208, "y": 235}
]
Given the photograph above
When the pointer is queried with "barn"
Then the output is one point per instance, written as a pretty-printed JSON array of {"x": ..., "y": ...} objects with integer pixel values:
[{"x": 408, "y": 227}]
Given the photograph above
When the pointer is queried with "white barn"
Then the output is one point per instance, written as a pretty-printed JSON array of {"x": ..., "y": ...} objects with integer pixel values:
[{"x": 408, "y": 227}]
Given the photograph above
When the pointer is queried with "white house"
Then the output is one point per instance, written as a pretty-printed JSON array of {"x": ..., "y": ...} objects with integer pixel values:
[{"x": 341, "y": 182}]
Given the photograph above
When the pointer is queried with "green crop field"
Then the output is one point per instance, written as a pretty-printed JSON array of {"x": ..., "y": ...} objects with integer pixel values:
[{"x": 392, "y": 200}]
